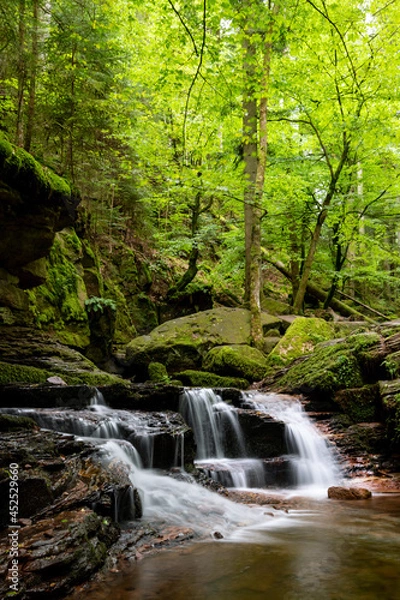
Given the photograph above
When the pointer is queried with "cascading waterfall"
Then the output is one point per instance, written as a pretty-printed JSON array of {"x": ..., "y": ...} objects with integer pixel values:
[
  {"x": 126, "y": 436},
  {"x": 216, "y": 426},
  {"x": 313, "y": 462}
]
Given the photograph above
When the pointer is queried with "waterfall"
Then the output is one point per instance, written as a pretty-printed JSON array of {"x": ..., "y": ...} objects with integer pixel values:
[
  {"x": 218, "y": 434},
  {"x": 128, "y": 436},
  {"x": 313, "y": 462}
]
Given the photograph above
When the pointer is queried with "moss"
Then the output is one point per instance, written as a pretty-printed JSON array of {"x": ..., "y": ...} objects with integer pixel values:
[
  {"x": 59, "y": 303},
  {"x": 25, "y": 174},
  {"x": 237, "y": 360},
  {"x": 301, "y": 338},
  {"x": 158, "y": 373},
  {"x": 14, "y": 422},
  {"x": 14, "y": 373},
  {"x": 198, "y": 332},
  {"x": 360, "y": 404},
  {"x": 327, "y": 370},
  {"x": 124, "y": 327},
  {"x": 211, "y": 380}
]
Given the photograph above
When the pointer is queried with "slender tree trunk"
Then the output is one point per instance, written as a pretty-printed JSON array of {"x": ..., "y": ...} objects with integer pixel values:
[
  {"x": 249, "y": 153},
  {"x": 308, "y": 263},
  {"x": 256, "y": 254},
  {"x": 21, "y": 73},
  {"x": 32, "y": 80}
]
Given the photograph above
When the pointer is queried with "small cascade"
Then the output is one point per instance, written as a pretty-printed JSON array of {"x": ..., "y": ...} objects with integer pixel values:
[
  {"x": 221, "y": 451},
  {"x": 313, "y": 462}
]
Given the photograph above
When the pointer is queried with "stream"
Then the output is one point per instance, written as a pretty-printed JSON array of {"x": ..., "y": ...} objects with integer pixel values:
[
  {"x": 335, "y": 551},
  {"x": 321, "y": 549}
]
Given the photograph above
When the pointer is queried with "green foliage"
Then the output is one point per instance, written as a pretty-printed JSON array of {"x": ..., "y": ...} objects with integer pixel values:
[{"x": 97, "y": 304}]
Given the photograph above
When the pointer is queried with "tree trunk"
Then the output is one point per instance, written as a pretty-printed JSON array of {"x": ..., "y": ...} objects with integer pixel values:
[
  {"x": 299, "y": 300},
  {"x": 249, "y": 155},
  {"x": 317, "y": 292},
  {"x": 32, "y": 79},
  {"x": 21, "y": 73}
]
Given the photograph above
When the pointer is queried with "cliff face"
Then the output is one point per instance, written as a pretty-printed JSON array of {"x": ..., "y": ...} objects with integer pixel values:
[{"x": 34, "y": 204}]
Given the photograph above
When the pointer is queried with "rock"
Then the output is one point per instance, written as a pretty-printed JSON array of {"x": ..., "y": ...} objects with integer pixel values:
[
  {"x": 182, "y": 343},
  {"x": 332, "y": 366},
  {"x": 342, "y": 493},
  {"x": 361, "y": 404},
  {"x": 264, "y": 436},
  {"x": 211, "y": 380},
  {"x": 28, "y": 356},
  {"x": 239, "y": 360},
  {"x": 300, "y": 339},
  {"x": 56, "y": 381},
  {"x": 59, "y": 552}
]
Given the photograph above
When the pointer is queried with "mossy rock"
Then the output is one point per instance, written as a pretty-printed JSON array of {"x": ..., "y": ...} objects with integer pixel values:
[
  {"x": 14, "y": 373},
  {"x": 335, "y": 365},
  {"x": 15, "y": 423},
  {"x": 300, "y": 339},
  {"x": 182, "y": 343},
  {"x": 211, "y": 380},
  {"x": 360, "y": 404},
  {"x": 17, "y": 373},
  {"x": 276, "y": 307},
  {"x": 236, "y": 360},
  {"x": 158, "y": 373}
]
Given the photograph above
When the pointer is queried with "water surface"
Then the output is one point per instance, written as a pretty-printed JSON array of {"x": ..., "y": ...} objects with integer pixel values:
[{"x": 338, "y": 551}]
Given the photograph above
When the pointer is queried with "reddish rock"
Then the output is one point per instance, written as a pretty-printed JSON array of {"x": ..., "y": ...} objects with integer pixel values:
[{"x": 342, "y": 493}]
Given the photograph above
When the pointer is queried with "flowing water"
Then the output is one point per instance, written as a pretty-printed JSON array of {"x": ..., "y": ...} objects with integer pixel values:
[
  {"x": 336, "y": 551},
  {"x": 327, "y": 551}
]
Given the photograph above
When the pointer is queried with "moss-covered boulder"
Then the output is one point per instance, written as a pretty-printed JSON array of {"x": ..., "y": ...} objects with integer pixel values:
[
  {"x": 336, "y": 365},
  {"x": 27, "y": 356},
  {"x": 300, "y": 339},
  {"x": 34, "y": 204},
  {"x": 181, "y": 344},
  {"x": 59, "y": 303},
  {"x": 211, "y": 380},
  {"x": 158, "y": 373},
  {"x": 237, "y": 360}
]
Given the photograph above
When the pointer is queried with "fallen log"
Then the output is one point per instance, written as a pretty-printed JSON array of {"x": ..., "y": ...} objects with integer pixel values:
[{"x": 342, "y": 308}]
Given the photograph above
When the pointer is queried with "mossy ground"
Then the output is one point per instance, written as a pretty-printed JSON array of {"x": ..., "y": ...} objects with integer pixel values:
[{"x": 25, "y": 374}]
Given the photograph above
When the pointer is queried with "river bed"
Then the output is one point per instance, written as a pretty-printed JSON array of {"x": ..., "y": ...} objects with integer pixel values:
[{"x": 335, "y": 551}]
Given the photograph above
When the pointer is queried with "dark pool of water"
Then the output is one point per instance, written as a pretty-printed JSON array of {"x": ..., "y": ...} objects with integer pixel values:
[{"x": 339, "y": 551}]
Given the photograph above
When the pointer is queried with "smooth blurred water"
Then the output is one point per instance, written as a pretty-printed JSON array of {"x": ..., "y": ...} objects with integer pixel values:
[{"x": 336, "y": 551}]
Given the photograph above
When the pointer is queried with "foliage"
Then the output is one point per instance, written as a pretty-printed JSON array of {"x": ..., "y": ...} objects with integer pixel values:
[
  {"x": 141, "y": 106},
  {"x": 97, "y": 304}
]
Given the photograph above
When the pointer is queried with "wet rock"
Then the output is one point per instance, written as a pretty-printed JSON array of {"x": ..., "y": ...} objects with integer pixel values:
[
  {"x": 342, "y": 493},
  {"x": 265, "y": 436},
  {"x": 58, "y": 552}
]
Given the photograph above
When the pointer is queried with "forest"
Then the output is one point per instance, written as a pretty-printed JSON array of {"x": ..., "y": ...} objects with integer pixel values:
[
  {"x": 200, "y": 299},
  {"x": 228, "y": 141}
]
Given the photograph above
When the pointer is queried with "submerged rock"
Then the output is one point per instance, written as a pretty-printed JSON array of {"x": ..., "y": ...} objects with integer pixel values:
[{"x": 342, "y": 493}]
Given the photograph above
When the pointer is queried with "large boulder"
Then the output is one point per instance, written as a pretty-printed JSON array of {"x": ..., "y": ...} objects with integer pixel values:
[
  {"x": 27, "y": 356},
  {"x": 300, "y": 339},
  {"x": 34, "y": 204},
  {"x": 340, "y": 364},
  {"x": 236, "y": 360},
  {"x": 182, "y": 343}
]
